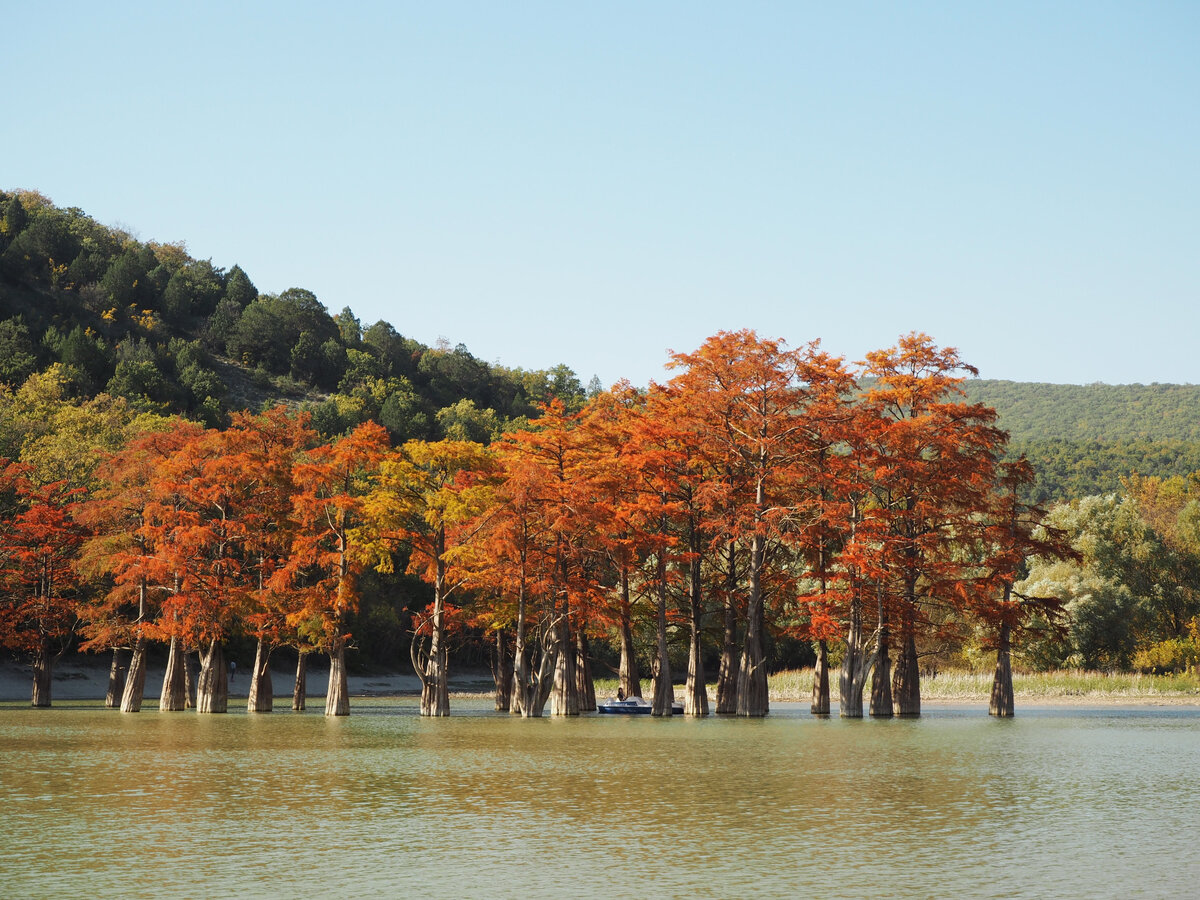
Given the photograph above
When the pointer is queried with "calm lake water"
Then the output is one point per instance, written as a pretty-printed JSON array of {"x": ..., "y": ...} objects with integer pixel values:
[{"x": 1055, "y": 803}]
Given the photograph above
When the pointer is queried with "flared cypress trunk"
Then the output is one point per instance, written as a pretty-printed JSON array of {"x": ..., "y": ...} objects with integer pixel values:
[
  {"x": 502, "y": 672},
  {"x": 565, "y": 696},
  {"x": 752, "y": 700},
  {"x": 727, "y": 673},
  {"x": 630, "y": 679},
  {"x": 174, "y": 690},
  {"x": 1003, "y": 702},
  {"x": 43, "y": 675},
  {"x": 135, "y": 681},
  {"x": 881, "y": 678},
  {"x": 820, "y": 692},
  {"x": 337, "y": 695},
  {"x": 261, "y": 698},
  {"x": 116, "y": 681},
  {"x": 695, "y": 699},
  {"x": 585, "y": 685},
  {"x": 907, "y": 681},
  {"x": 300, "y": 689},
  {"x": 212, "y": 688},
  {"x": 856, "y": 666}
]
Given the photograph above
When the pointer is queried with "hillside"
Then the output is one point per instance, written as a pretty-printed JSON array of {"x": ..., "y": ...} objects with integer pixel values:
[{"x": 147, "y": 322}]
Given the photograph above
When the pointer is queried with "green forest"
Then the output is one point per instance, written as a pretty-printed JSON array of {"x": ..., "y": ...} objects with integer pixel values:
[{"x": 105, "y": 338}]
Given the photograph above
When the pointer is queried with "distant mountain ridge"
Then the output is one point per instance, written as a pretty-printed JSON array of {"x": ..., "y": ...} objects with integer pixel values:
[{"x": 1104, "y": 413}]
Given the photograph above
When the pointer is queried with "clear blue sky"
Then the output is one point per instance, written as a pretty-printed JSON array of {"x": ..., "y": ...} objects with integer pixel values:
[{"x": 595, "y": 184}]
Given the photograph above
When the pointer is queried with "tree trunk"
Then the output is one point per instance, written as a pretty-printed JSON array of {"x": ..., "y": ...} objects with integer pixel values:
[
  {"x": 189, "y": 680},
  {"x": 629, "y": 677},
  {"x": 261, "y": 698},
  {"x": 135, "y": 681},
  {"x": 116, "y": 681},
  {"x": 820, "y": 693},
  {"x": 174, "y": 690},
  {"x": 1003, "y": 702},
  {"x": 727, "y": 674},
  {"x": 585, "y": 685},
  {"x": 695, "y": 698},
  {"x": 752, "y": 699},
  {"x": 300, "y": 691},
  {"x": 43, "y": 675},
  {"x": 435, "y": 689},
  {"x": 337, "y": 696},
  {"x": 212, "y": 688},
  {"x": 856, "y": 666},
  {"x": 502, "y": 673},
  {"x": 565, "y": 699},
  {"x": 881, "y": 678},
  {"x": 664, "y": 691},
  {"x": 907, "y": 687}
]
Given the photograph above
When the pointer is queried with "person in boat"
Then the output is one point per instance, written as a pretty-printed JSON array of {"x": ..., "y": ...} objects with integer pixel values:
[{"x": 620, "y": 694}]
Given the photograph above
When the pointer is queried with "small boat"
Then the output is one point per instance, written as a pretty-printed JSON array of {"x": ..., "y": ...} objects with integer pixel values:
[{"x": 634, "y": 706}]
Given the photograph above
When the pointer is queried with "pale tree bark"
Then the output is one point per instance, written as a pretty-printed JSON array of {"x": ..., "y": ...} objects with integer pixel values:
[
  {"x": 752, "y": 699},
  {"x": 337, "y": 695},
  {"x": 585, "y": 685},
  {"x": 174, "y": 690},
  {"x": 135, "y": 681},
  {"x": 820, "y": 692},
  {"x": 565, "y": 694},
  {"x": 695, "y": 698},
  {"x": 435, "y": 685},
  {"x": 856, "y": 665},
  {"x": 189, "y": 680},
  {"x": 630, "y": 680},
  {"x": 116, "y": 681},
  {"x": 1003, "y": 700},
  {"x": 212, "y": 688},
  {"x": 727, "y": 674},
  {"x": 261, "y": 698},
  {"x": 300, "y": 689}
]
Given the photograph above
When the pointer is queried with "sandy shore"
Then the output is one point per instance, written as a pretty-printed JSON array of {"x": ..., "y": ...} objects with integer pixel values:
[{"x": 88, "y": 680}]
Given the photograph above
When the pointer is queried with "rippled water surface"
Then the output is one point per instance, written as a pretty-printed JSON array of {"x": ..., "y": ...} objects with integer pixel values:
[{"x": 1056, "y": 803}]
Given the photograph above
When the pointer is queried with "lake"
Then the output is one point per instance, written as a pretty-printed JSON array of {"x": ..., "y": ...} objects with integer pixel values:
[{"x": 1059, "y": 802}]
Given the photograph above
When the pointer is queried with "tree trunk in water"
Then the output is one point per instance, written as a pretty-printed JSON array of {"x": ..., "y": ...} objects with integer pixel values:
[
  {"x": 727, "y": 674},
  {"x": 820, "y": 694},
  {"x": 856, "y": 667},
  {"x": 135, "y": 681},
  {"x": 664, "y": 692},
  {"x": 881, "y": 678},
  {"x": 337, "y": 696},
  {"x": 189, "y": 680},
  {"x": 435, "y": 692},
  {"x": 752, "y": 700},
  {"x": 43, "y": 675},
  {"x": 174, "y": 690},
  {"x": 212, "y": 688},
  {"x": 585, "y": 686},
  {"x": 629, "y": 676},
  {"x": 1003, "y": 703},
  {"x": 300, "y": 691},
  {"x": 695, "y": 698},
  {"x": 565, "y": 699},
  {"x": 261, "y": 698},
  {"x": 116, "y": 682},
  {"x": 907, "y": 687},
  {"x": 502, "y": 673}
]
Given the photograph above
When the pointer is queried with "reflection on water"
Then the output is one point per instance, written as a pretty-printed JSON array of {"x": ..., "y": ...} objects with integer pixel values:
[{"x": 1066, "y": 803}]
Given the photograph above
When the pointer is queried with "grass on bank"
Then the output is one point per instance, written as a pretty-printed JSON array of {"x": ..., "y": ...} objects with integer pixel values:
[{"x": 960, "y": 684}]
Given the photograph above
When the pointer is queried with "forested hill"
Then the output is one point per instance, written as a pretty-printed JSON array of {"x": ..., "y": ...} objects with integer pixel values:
[
  {"x": 1106, "y": 413},
  {"x": 167, "y": 333},
  {"x": 163, "y": 332}
]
